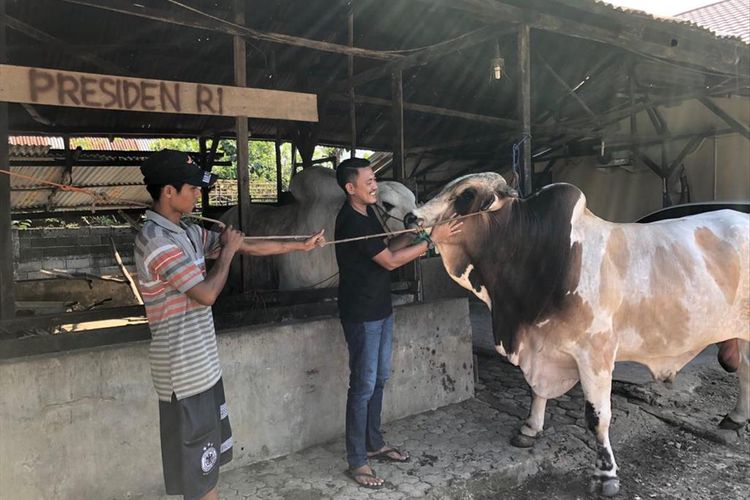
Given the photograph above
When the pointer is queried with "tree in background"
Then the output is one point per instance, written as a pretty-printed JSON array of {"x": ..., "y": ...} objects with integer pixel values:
[{"x": 261, "y": 157}]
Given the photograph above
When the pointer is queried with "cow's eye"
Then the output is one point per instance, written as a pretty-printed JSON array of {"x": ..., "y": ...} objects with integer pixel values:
[
  {"x": 464, "y": 201},
  {"x": 388, "y": 207}
]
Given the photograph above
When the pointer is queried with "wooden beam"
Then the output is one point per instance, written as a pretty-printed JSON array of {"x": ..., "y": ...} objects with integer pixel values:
[
  {"x": 218, "y": 25},
  {"x": 524, "y": 107},
  {"x": 689, "y": 148},
  {"x": 426, "y": 55},
  {"x": 243, "y": 173},
  {"x": 452, "y": 113},
  {"x": 655, "y": 167},
  {"x": 565, "y": 85},
  {"x": 430, "y": 167},
  {"x": 717, "y": 55},
  {"x": 397, "y": 95},
  {"x": 736, "y": 125},
  {"x": 7, "y": 283},
  {"x": 620, "y": 114},
  {"x": 434, "y": 110},
  {"x": 96, "y": 91},
  {"x": 585, "y": 80},
  {"x": 58, "y": 44}
]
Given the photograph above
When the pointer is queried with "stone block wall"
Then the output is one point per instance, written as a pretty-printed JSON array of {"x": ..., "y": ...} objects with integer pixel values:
[
  {"x": 83, "y": 249},
  {"x": 85, "y": 424}
]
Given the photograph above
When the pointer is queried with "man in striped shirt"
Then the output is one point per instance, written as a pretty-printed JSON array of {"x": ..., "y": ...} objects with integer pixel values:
[{"x": 178, "y": 294}]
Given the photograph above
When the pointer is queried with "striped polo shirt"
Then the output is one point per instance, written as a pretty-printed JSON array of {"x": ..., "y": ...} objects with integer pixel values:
[{"x": 170, "y": 260}]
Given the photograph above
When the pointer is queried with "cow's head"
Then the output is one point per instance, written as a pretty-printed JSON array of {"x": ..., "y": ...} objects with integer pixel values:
[
  {"x": 395, "y": 201},
  {"x": 473, "y": 193}
]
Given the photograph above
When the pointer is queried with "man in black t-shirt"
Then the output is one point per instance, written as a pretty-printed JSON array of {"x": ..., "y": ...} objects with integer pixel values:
[{"x": 367, "y": 314}]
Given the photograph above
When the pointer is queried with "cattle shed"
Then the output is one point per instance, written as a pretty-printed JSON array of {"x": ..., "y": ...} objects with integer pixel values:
[{"x": 639, "y": 111}]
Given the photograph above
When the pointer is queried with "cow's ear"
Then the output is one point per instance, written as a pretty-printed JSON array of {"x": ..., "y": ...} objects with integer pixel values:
[
  {"x": 488, "y": 202},
  {"x": 514, "y": 181},
  {"x": 509, "y": 191}
]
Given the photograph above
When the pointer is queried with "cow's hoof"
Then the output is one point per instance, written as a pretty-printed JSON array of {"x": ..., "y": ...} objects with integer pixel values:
[
  {"x": 610, "y": 487},
  {"x": 522, "y": 441},
  {"x": 728, "y": 423}
]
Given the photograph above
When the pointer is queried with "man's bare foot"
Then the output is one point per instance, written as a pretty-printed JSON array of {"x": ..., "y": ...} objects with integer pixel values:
[{"x": 366, "y": 477}]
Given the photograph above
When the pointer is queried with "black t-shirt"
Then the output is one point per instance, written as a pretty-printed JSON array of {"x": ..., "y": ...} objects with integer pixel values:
[{"x": 364, "y": 286}]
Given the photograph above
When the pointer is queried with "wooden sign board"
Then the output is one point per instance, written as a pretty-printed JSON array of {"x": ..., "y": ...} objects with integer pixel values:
[{"x": 87, "y": 90}]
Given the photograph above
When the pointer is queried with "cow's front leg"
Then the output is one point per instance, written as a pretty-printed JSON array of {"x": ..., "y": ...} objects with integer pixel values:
[
  {"x": 533, "y": 426},
  {"x": 597, "y": 390}
]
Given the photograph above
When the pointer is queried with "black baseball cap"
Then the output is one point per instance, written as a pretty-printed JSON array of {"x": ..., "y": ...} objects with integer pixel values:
[{"x": 169, "y": 166}]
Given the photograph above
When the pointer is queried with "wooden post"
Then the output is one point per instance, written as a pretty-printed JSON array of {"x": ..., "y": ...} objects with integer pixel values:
[
  {"x": 279, "y": 186},
  {"x": 277, "y": 144},
  {"x": 633, "y": 116},
  {"x": 7, "y": 284},
  {"x": 524, "y": 107},
  {"x": 243, "y": 174},
  {"x": 204, "y": 162},
  {"x": 352, "y": 103},
  {"x": 294, "y": 162},
  {"x": 397, "y": 96}
]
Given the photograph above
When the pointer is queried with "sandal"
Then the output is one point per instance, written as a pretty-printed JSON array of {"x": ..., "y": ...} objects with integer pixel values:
[
  {"x": 355, "y": 475},
  {"x": 386, "y": 455}
]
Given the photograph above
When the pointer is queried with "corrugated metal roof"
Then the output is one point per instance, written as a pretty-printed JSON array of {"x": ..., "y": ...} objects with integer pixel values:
[
  {"x": 729, "y": 18},
  {"x": 87, "y": 143},
  {"x": 125, "y": 182},
  {"x": 714, "y": 21}
]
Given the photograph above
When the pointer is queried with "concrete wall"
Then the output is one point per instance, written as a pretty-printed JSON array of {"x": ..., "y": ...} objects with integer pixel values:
[
  {"x": 437, "y": 284},
  {"x": 86, "y": 249},
  {"x": 84, "y": 424}
]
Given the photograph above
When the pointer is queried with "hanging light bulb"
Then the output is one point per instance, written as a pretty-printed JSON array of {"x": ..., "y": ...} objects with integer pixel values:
[{"x": 497, "y": 63}]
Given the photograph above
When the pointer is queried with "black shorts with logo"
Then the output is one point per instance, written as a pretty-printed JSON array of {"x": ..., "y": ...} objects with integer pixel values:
[{"x": 195, "y": 440}]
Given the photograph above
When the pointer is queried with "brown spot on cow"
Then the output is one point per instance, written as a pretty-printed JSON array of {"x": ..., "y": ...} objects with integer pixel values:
[
  {"x": 659, "y": 321},
  {"x": 681, "y": 255},
  {"x": 572, "y": 322},
  {"x": 722, "y": 262},
  {"x": 666, "y": 271},
  {"x": 610, "y": 287},
  {"x": 602, "y": 352},
  {"x": 617, "y": 251}
]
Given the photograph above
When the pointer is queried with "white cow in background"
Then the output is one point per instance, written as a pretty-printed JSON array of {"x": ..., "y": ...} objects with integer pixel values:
[{"x": 317, "y": 200}]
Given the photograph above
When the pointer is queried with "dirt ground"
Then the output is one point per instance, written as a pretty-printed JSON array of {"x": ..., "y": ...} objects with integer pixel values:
[{"x": 666, "y": 443}]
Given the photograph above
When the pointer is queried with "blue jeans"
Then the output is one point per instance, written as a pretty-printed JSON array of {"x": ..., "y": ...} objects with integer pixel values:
[{"x": 369, "y": 366}]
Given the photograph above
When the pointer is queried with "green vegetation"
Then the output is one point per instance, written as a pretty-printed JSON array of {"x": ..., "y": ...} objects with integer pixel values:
[{"x": 261, "y": 158}]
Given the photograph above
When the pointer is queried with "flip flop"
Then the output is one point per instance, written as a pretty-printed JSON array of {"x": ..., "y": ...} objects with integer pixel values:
[
  {"x": 383, "y": 456},
  {"x": 355, "y": 475}
]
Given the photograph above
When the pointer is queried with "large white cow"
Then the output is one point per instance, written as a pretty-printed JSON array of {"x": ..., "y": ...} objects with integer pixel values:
[
  {"x": 317, "y": 200},
  {"x": 571, "y": 293}
]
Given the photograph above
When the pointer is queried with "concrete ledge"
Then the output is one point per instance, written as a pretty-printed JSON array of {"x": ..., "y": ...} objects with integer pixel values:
[{"x": 84, "y": 424}]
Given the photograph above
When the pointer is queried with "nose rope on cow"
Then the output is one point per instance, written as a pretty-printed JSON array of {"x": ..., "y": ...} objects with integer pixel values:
[{"x": 100, "y": 198}]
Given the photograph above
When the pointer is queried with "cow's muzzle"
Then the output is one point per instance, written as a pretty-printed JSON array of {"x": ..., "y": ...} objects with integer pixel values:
[{"x": 411, "y": 221}]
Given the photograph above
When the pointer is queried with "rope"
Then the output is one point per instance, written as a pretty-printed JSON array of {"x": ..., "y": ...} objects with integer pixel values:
[{"x": 102, "y": 197}]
